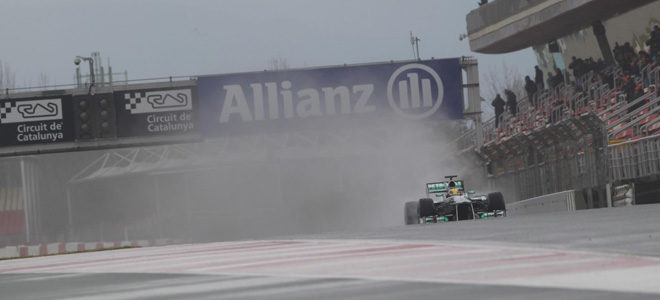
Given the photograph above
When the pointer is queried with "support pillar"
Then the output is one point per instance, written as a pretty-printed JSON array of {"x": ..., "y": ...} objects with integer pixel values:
[
  {"x": 27, "y": 202},
  {"x": 69, "y": 211},
  {"x": 603, "y": 43},
  {"x": 473, "y": 109}
]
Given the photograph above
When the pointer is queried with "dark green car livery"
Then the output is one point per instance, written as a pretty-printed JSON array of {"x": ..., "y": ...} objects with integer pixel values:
[{"x": 448, "y": 201}]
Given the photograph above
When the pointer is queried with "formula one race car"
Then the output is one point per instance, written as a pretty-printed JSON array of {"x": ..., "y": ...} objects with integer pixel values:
[{"x": 447, "y": 201}]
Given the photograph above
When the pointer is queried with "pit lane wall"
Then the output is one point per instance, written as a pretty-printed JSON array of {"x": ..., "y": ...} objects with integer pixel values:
[{"x": 571, "y": 200}]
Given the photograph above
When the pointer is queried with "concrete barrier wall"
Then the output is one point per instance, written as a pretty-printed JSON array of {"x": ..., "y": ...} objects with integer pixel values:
[{"x": 563, "y": 201}]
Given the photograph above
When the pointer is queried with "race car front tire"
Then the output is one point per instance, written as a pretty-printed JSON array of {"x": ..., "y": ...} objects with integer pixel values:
[
  {"x": 411, "y": 213},
  {"x": 496, "y": 202}
]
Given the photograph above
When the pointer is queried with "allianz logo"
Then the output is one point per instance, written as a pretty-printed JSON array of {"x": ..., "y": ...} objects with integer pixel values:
[
  {"x": 409, "y": 100},
  {"x": 414, "y": 91}
]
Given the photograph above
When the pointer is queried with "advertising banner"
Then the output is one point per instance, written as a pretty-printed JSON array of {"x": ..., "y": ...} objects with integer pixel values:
[
  {"x": 39, "y": 120},
  {"x": 250, "y": 103},
  {"x": 156, "y": 112}
]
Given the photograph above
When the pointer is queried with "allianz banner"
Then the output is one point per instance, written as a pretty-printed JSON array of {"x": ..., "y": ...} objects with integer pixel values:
[
  {"x": 39, "y": 120},
  {"x": 251, "y": 103}
]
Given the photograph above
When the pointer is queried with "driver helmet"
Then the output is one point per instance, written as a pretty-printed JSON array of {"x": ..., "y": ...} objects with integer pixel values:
[{"x": 452, "y": 188}]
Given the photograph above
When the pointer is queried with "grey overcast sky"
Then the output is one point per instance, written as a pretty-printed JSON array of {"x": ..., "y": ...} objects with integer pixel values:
[{"x": 156, "y": 38}]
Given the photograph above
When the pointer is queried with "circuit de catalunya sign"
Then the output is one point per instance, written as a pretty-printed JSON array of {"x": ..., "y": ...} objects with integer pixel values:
[{"x": 315, "y": 98}]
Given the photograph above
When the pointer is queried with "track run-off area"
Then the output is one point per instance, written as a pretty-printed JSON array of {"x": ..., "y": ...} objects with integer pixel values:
[{"x": 599, "y": 254}]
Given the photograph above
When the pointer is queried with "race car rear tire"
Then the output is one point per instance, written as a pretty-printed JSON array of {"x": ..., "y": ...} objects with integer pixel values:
[
  {"x": 426, "y": 208},
  {"x": 496, "y": 202},
  {"x": 411, "y": 213}
]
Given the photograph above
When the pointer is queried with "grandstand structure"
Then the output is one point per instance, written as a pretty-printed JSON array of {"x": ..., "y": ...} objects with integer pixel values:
[{"x": 591, "y": 132}]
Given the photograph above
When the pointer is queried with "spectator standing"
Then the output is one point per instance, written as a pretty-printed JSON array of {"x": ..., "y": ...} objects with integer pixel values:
[
  {"x": 559, "y": 77},
  {"x": 629, "y": 90},
  {"x": 531, "y": 89},
  {"x": 511, "y": 102},
  {"x": 643, "y": 59},
  {"x": 642, "y": 64},
  {"x": 628, "y": 52},
  {"x": 654, "y": 42},
  {"x": 498, "y": 103},
  {"x": 539, "y": 79},
  {"x": 629, "y": 57},
  {"x": 551, "y": 80},
  {"x": 577, "y": 67},
  {"x": 618, "y": 53},
  {"x": 634, "y": 68},
  {"x": 638, "y": 92}
]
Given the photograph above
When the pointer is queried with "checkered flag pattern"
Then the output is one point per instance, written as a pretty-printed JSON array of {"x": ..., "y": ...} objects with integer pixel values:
[
  {"x": 6, "y": 108},
  {"x": 133, "y": 99}
]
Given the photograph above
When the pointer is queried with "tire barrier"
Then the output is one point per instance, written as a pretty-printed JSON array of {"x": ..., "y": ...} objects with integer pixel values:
[{"x": 624, "y": 195}]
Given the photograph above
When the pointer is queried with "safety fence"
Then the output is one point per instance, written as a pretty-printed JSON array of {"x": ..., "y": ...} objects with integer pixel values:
[
  {"x": 571, "y": 165},
  {"x": 635, "y": 159},
  {"x": 577, "y": 166},
  {"x": 570, "y": 200}
]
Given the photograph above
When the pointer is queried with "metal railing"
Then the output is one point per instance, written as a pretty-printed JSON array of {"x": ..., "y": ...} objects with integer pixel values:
[
  {"x": 565, "y": 144},
  {"x": 635, "y": 159},
  {"x": 566, "y": 101},
  {"x": 11, "y": 91},
  {"x": 633, "y": 119}
]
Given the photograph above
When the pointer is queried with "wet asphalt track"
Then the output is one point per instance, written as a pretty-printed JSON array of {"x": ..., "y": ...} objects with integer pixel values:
[
  {"x": 149, "y": 286},
  {"x": 629, "y": 231}
]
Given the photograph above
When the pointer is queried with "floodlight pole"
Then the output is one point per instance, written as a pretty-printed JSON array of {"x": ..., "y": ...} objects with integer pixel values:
[
  {"x": 91, "y": 70},
  {"x": 414, "y": 41}
]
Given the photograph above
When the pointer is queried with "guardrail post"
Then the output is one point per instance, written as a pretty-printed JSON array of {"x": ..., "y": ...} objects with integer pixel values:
[
  {"x": 608, "y": 194},
  {"x": 590, "y": 198}
]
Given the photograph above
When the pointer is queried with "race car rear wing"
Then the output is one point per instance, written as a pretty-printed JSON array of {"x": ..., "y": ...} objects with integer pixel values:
[{"x": 442, "y": 187}]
